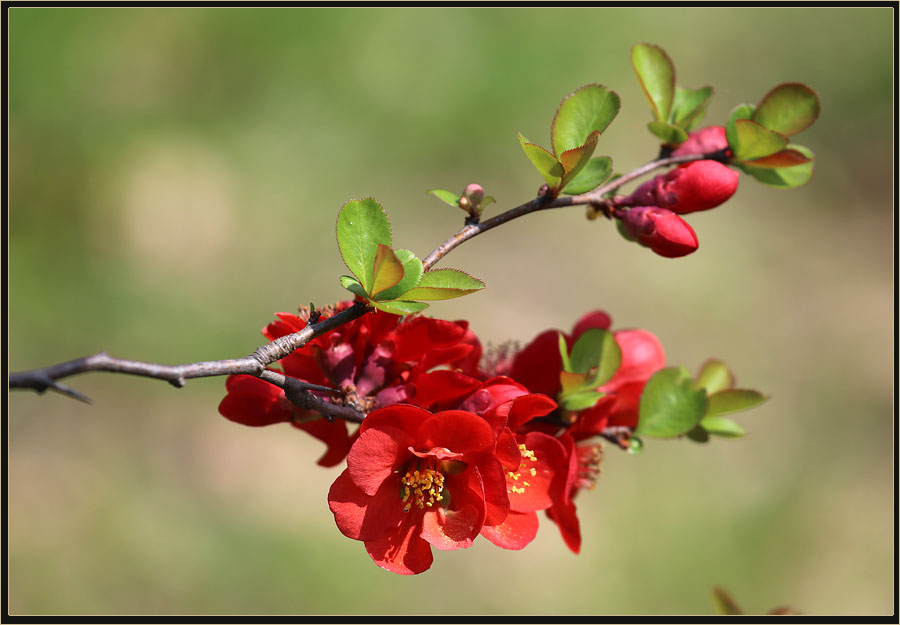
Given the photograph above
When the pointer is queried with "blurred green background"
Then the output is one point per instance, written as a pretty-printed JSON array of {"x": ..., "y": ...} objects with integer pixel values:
[{"x": 175, "y": 175}]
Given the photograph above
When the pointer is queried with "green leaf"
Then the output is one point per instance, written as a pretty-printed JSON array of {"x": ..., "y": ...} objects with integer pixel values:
[
  {"x": 550, "y": 169},
  {"x": 412, "y": 272},
  {"x": 388, "y": 270},
  {"x": 742, "y": 111},
  {"x": 444, "y": 284},
  {"x": 574, "y": 160},
  {"x": 447, "y": 196},
  {"x": 725, "y": 605},
  {"x": 714, "y": 376},
  {"x": 591, "y": 176},
  {"x": 400, "y": 307},
  {"x": 353, "y": 285},
  {"x": 670, "y": 406},
  {"x": 789, "y": 157},
  {"x": 722, "y": 426},
  {"x": 735, "y": 400},
  {"x": 564, "y": 353},
  {"x": 590, "y": 109},
  {"x": 596, "y": 347},
  {"x": 689, "y": 106},
  {"x": 788, "y": 109},
  {"x": 580, "y": 401},
  {"x": 656, "y": 75},
  {"x": 668, "y": 133},
  {"x": 571, "y": 383},
  {"x": 755, "y": 141},
  {"x": 635, "y": 445},
  {"x": 784, "y": 177},
  {"x": 362, "y": 226}
]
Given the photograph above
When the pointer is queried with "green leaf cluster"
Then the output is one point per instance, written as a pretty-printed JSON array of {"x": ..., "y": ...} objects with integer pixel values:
[
  {"x": 593, "y": 361},
  {"x": 390, "y": 280},
  {"x": 581, "y": 118},
  {"x": 759, "y": 135},
  {"x": 673, "y": 404},
  {"x": 676, "y": 109}
]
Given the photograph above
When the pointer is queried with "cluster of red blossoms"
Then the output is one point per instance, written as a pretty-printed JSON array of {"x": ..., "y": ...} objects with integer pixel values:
[
  {"x": 653, "y": 219},
  {"x": 453, "y": 445}
]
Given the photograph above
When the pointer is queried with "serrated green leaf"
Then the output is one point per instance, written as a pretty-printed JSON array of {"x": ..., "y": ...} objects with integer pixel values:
[
  {"x": 574, "y": 160},
  {"x": 400, "y": 307},
  {"x": 656, "y": 75},
  {"x": 714, "y": 376},
  {"x": 447, "y": 196},
  {"x": 362, "y": 226},
  {"x": 412, "y": 272},
  {"x": 755, "y": 141},
  {"x": 597, "y": 347},
  {"x": 353, "y": 285},
  {"x": 550, "y": 169},
  {"x": 784, "y": 177},
  {"x": 589, "y": 109},
  {"x": 591, "y": 176},
  {"x": 580, "y": 401},
  {"x": 440, "y": 284},
  {"x": 788, "y": 109},
  {"x": 387, "y": 271},
  {"x": 669, "y": 405},
  {"x": 689, "y": 106},
  {"x": 733, "y": 400},
  {"x": 722, "y": 426},
  {"x": 668, "y": 133},
  {"x": 742, "y": 111}
]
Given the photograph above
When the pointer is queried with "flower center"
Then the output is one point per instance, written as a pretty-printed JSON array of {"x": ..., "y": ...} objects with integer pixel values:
[
  {"x": 519, "y": 483},
  {"x": 422, "y": 488}
]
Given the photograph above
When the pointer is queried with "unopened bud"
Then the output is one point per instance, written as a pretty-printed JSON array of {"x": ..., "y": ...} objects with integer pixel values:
[
  {"x": 695, "y": 186},
  {"x": 703, "y": 141},
  {"x": 475, "y": 193},
  {"x": 660, "y": 229}
]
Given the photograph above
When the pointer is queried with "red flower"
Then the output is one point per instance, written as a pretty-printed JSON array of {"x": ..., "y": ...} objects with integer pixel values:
[
  {"x": 703, "y": 141},
  {"x": 660, "y": 229},
  {"x": 416, "y": 480},
  {"x": 691, "y": 187}
]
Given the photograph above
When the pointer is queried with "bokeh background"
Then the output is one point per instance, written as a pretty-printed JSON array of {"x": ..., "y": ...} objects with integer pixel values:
[{"x": 174, "y": 179}]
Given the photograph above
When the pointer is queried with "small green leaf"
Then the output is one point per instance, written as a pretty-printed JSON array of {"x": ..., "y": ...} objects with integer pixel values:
[
  {"x": 597, "y": 347},
  {"x": 789, "y": 157},
  {"x": 387, "y": 271},
  {"x": 669, "y": 405},
  {"x": 570, "y": 382},
  {"x": 400, "y": 307},
  {"x": 725, "y": 605},
  {"x": 755, "y": 141},
  {"x": 362, "y": 226},
  {"x": 550, "y": 169},
  {"x": 447, "y": 196},
  {"x": 487, "y": 199},
  {"x": 580, "y": 401},
  {"x": 353, "y": 285},
  {"x": 714, "y": 376},
  {"x": 656, "y": 75},
  {"x": 689, "y": 106},
  {"x": 742, "y": 111},
  {"x": 635, "y": 445},
  {"x": 591, "y": 176},
  {"x": 564, "y": 353},
  {"x": 722, "y": 426},
  {"x": 668, "y": 133},
  {"x": 574, "y": 160},
  {"x": 788, "y": 109},
  {"x": 590, "y": 109},
  {"x": 735, "y": 400},
  {"x": 412, "y": 272},
  {"x": 444, "y": 284},
  {"x": 784, "y": 177}
]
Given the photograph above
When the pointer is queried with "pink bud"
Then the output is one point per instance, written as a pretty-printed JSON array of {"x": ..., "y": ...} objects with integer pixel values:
[
  {"x": 703, "y": 141},
  {"x": 475, "y": 193},
  {"x": 695, "y": 186},
  {"x": 660, "y": 229}
]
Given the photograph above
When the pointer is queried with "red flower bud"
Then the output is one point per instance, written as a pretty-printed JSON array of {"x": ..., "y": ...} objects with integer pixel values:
[
  {"x": 703, "y": 141},
  {"x": 695, "y": 186},
  {"x": 660, "y": 229}
]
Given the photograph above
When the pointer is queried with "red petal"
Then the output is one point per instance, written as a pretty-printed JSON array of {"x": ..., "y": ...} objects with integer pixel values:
[
  {"x": 375, "y": 455},
  {"x": 493, "y": 483},
  {"x": 416, "y": 337},
  {"x": 548, "y": 483},
  {"x": 254, "y": 402},
  {"x": 515, "y": 532},
  {"x": 538, "y": 365},
  {"x": 448, "y": 530},
  {"x": 363, "y": 517},
  {"x": 334, "y": 435},
  {"x": 528, "y": 407},
  {"x": 459, "y": 431},
  {"x": 593, "y": 319},
  {"x": 440, "y": 387},
  {"x": 402, "y": 551},
  {"x": 565, "y": 517}
]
